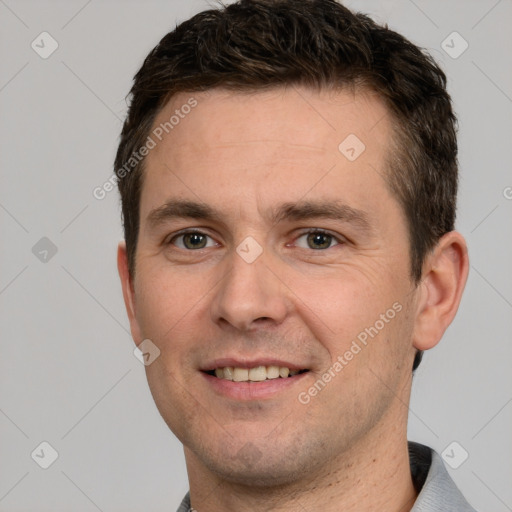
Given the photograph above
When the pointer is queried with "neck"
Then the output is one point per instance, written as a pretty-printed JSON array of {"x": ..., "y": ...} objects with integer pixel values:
[{"x": 374, "y": 474}]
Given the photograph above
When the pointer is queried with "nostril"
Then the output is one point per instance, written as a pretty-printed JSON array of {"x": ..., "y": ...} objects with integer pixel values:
[{"x": 262, "y": 321}]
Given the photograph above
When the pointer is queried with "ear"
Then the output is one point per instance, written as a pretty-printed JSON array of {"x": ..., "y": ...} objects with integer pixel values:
[
  {"x": 444, "y": 277},
  {"x": 128, "y": 291}
]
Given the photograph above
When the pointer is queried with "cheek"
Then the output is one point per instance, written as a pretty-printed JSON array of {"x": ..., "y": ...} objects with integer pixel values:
[
  {"x": 365, "y": 328},
  {"x": 164, "y": 300},
  {"x": 341, "y": 304}
]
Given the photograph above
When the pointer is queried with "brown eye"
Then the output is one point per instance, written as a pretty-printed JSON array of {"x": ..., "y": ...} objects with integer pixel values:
[
  {"x": 317, "y": 240},
  {"x": 192, "y": 240}
]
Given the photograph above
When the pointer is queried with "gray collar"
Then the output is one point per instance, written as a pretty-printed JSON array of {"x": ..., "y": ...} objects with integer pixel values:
[{"x": 437, "y": 491}]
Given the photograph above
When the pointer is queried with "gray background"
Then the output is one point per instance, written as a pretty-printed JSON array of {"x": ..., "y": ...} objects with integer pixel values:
[{"x": 67, "y": 370}]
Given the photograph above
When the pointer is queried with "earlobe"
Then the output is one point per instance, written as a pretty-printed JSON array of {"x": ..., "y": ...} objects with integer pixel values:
[
  {"x": 444, "y": 278},
  {"x": 128, "y": 290}
]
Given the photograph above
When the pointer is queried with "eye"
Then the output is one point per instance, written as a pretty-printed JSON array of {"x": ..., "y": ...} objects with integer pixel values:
[
  {"x": 192, "y": 240},
  {"x": 317, "y": 240}
]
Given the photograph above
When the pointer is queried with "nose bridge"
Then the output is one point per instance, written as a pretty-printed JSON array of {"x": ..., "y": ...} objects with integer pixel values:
[{"x": 249, "y": 291}]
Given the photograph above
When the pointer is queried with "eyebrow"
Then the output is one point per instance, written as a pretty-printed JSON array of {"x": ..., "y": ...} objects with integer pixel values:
[
  {"x": 176, "y": 208},
  {"x": 302, "y": 210}
]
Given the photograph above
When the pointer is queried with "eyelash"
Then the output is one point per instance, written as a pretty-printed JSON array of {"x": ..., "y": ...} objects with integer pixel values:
[
  {"x": 340, "y": 240},
  {"x": 186, "y": 232}
]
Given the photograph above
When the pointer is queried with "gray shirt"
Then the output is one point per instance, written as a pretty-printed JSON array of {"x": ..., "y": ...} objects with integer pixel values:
[{"x": 437, "y": 491}]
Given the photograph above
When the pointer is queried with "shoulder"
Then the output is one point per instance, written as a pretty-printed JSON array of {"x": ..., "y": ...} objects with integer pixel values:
[{"x": 437, "y": 490}]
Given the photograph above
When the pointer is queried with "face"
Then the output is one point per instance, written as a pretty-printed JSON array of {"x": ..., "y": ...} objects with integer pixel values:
[{"x": 268, "y": 248}]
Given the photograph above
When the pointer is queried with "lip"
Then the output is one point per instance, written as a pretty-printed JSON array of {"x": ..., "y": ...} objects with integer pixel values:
[
  {"x": 250, "y": 391},
  {"x": 250, "y": 363}
]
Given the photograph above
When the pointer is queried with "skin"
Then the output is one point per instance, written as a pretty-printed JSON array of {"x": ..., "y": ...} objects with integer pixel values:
[{"x": 244, "y": 154}]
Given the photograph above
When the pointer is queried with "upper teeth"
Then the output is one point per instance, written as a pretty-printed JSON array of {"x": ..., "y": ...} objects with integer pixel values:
[{"x": 253, "y": 374}]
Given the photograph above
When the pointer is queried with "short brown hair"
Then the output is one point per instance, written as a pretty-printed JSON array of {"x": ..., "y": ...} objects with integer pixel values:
[{"x": 256, "y": 44}]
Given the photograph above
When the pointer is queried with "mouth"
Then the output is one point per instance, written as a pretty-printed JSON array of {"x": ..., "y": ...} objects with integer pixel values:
[{"x": 254, "y": 374}]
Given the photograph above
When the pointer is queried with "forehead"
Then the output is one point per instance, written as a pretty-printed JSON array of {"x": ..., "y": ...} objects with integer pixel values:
[
  {"x": 224, "y": 146},
  {"x": 290, "y": 115}
]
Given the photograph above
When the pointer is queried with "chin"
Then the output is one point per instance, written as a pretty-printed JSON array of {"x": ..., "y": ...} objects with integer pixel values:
[
  {"x": 257, "y": 476},
  {"x": 259, "y": 467}
]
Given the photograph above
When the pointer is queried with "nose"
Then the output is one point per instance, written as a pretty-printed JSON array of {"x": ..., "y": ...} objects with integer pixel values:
[{"x": 250, "y": 295}]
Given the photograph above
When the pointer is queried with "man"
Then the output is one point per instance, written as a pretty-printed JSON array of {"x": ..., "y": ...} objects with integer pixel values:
[{"x": 288, "y": 177}]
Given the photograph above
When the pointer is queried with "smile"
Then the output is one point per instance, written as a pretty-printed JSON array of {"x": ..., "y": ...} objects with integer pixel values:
[{"x": 256, "y": 374}]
